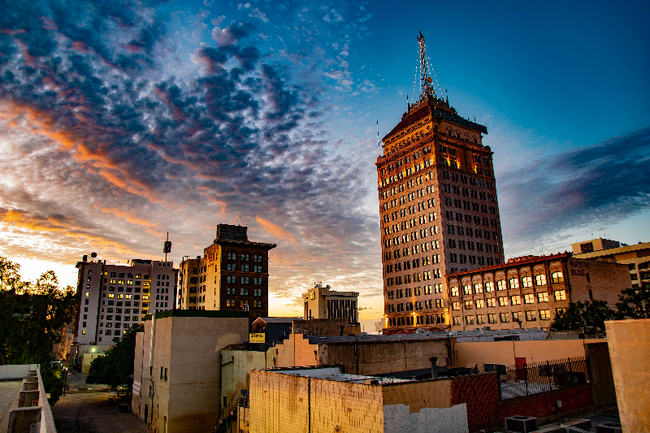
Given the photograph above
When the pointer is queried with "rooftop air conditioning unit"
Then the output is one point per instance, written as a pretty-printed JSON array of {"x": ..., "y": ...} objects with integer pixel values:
[{"x": 523, "y": 424}]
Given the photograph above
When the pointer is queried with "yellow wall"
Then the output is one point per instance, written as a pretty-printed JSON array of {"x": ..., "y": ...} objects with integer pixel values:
[{"x": 629, "y": 349}]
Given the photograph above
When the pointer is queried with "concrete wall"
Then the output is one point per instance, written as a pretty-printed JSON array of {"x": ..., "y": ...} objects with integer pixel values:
[
  {"x": 422, "y": 407},
  {"x": 383, "y": 357},
  {"x": 236, "y": 366},
  {"x": 87, "y": 359},
  {"x": 195, "y": 369},
  {"x": 504, "y": 352},
  {"x": 600, "y": 371},
  {"x": 629, "y": 346}
]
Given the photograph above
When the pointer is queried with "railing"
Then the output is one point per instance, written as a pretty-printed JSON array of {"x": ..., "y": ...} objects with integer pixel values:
[{"x": 529, "y": 379}]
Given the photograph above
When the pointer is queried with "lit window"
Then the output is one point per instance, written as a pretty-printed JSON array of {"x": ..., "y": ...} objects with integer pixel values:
[
  {"x": 560, "y": 295},
  {"x": 540, "y": 280},
  {"x": 526, "y": 282},
  {"x": 529, "y": 298},
  {"x": 501, "y": 285},
  {"x": 557, "y": 277},
  {"x": 542, "y": 297},
  {"x": 515, "y": 300},
  {"x": 514, "y": 283},
  {"x": 544, "y": 314},
  {"x": 531, "y": 316},
  {"x": 489, "y": 286}
]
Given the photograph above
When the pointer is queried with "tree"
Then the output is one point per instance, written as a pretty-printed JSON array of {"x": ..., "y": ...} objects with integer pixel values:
[
  {"x": 590, "y": 315},
  {"x": 634, "y": 304},
  {"x": 33, "y": 316},
  {"x": 116, "y": 366}
]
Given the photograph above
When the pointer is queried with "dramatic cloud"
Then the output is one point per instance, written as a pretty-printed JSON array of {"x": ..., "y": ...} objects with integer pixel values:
[
  {"x": 106, "y": 150},
  {"x": 596, "y": 185}
]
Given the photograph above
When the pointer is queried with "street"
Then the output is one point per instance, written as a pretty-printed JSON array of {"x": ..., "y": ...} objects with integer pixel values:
[{"x": 93, "y": 409}]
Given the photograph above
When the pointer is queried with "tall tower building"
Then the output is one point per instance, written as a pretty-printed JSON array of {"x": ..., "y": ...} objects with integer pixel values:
[
  {"x": 233, "y": 274},
  {"x": 437, "y": 204}
]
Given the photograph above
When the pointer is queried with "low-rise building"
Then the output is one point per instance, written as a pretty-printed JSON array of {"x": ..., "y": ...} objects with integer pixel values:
[
  {"x": 177, "y": 374},
  {"x": 528, "y": 291},
  {"x": 636, "y": 257},
  {"x": 365, "y": 354}
]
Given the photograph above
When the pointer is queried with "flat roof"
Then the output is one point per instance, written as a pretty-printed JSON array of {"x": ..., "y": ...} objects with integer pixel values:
[
  {"x": 614, "y": 251},
  {"x": 198, "y": 313},
  {"x": 334, "y": 373}
]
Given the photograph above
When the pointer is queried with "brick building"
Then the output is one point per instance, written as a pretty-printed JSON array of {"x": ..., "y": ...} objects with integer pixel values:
[
  {"x": 528, "y": 291},
  {"x": 112, "y": 298},
  {"x": 233, "y": 274},
  {"x": 636, "y": 257},
  {"x": 438, "y": 207}
]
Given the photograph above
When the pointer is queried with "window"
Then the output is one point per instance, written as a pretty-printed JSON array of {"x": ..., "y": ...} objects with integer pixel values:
[
  {"x": 478, "y": 288},
  {"x": 230, "y": 303},
  {"x": 480, "y": 319},
  {"x": 531, "y": 316},
  {"x": 469, "y": 305},
  {"x": 529, "y": 298},
  {"x": 544, "y": 315},
  {"x": 526, "y": 282},
  {"x": 501, "y": 285},
  {"x": 514, "y": 283},
  {"x": 540, "y": 280},
  {"x": 456, "y": 320},
  {"x": 542, "y": 297},
  {"x": 492, "y": 318},
  {"x": 469, "y": 320},
  {"x": 504, "y": 317},
  {"x": 557, "y": 277},
  {"x": 455, "y": 306},
  {"x": 515, "y": 300},
  {"x": 503, "y": 301},
  {"x": 491, "y": 302},
  {"x": 560, "y": 295},
  {"x": 480, "y": 303},
  {"x": 467, "y": 290},
  {"x": 454, "y": 291},
  {"x": 489, "y": 286}
]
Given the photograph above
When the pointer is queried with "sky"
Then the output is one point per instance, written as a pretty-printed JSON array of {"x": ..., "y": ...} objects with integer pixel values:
[{"x": 122, "y": 121}]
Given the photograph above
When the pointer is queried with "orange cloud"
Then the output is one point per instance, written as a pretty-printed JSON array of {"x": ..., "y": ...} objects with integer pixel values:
[
  {"x": 149, "y": 227},
  {"x": 39, "y": 123},
  {"x": 275, "y": 230}
]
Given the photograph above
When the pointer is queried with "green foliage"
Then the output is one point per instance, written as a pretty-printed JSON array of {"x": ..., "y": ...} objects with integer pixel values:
[
  {"x": 116, "y": 366},
  {"x": 33, "y": 315},
  {"x": 587, "y": 316},
  {"x": 633, "y": 304}
]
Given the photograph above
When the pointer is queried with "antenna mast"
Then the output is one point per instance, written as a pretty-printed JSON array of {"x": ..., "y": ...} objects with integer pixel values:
[{"x": 426, "y": 81}]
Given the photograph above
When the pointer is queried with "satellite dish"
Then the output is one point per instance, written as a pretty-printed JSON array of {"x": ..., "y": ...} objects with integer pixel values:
[{"x": 429, "y": 80}]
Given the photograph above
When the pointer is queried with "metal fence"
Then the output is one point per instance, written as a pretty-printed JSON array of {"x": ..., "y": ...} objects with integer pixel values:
[{"x": 528, "y": 379}]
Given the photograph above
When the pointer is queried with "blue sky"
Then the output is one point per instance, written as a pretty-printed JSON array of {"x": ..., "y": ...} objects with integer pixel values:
[{"x": 120, "y": 122}]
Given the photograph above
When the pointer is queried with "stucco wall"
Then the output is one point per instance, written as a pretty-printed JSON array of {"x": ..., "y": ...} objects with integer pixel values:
[
  {"x": 236, "y": 367},
  {"x": 504, "y": 352},
  {"x": 399, "y": 418},
  {"x": 629, "y": 346}
]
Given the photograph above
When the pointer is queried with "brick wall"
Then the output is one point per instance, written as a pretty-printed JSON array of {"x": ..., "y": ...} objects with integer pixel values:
[{"x": 481, "y": 394}]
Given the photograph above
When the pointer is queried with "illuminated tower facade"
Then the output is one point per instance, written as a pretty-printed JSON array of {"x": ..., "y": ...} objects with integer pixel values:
[{"x": 437, "y": 204}]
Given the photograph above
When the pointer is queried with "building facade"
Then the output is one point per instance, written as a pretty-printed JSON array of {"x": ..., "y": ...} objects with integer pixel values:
[
  {"x": 177, "y": 368},
  {"x": 636, "y": 257},
  {"x": 233, "y": 275},
  {"x": 323, "y": 303},
  {"x": 438, "y": 207},
  {"x": 529, "y": 291},
  {"x": 113, "y": 298}
]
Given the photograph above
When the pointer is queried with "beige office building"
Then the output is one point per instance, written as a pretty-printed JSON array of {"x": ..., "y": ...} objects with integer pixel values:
[
  {"x": 323, "y": 303},
  {"x": 636, "y": 257}
]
